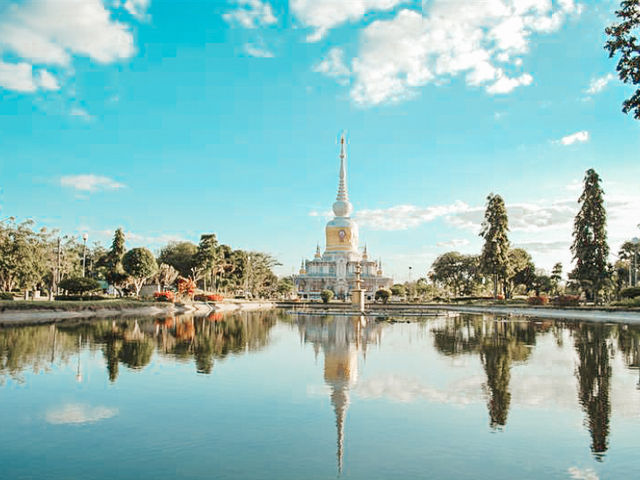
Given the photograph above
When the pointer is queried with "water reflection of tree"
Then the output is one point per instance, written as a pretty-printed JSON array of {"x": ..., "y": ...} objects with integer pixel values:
[
  {"x": 132, "y": 342},
  {"x": 594, "y": 382},
  {"x": 499, "y": 343}
]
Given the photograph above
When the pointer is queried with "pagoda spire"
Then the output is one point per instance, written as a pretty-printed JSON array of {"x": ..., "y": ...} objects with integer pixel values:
[{"x": 343, "y": 193}]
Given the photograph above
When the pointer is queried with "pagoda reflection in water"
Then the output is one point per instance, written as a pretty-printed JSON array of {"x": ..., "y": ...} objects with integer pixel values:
[{"x": 341, "y": 339}]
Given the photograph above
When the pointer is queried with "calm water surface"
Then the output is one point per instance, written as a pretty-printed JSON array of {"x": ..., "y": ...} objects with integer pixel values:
[{"x": 273, "y": 396}]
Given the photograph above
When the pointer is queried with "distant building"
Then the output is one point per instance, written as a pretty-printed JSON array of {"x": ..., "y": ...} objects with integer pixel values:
[{"x": 335, "y": 268}]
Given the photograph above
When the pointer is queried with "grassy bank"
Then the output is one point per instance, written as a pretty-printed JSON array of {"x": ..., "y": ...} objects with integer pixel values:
[{"x": 73, "y": 306}]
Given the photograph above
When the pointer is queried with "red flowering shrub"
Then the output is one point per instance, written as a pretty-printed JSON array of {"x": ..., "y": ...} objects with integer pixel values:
[
  {"x": 566, "y": 301},
  {"x": 499, "y": 297},
  {"x": 186, "y": 286},
  {"x": 538, "y": 300},
  {"x": 215, "y": 298},
  {"x": 164, "y": 296}
]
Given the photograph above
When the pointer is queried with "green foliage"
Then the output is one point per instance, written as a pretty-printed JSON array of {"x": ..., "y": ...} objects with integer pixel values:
[
  {"x": 520, "y": 271},
  {"x": 24, "y": 255},
  {"x": 80, "y": 298},
  {"x": 383, "y": 295},
  {"x": 285, "y": 286},
  {"x": 182, "y": 257},
  {"x": 456, "y": 272},
  {"x": 80, "y": 285},
  {"x": 398, "y": 290},
  {"x": 112, "y": 262},
  {"x": 590, "y": 248},
  {"x": 140, "y": 264},
  {"x": 494, "y": 259},
  {"x": 6, "y": 296},
  {"x": 326, "y": 295},
  {"x": 631, "y": 292},
  {"x": 623, "y": 40}
]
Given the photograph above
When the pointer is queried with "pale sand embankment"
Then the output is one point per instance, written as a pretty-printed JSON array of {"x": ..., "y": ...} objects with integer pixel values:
[
  {"x": 591, "y": 314},
  {"x": 30, "y": 317}
]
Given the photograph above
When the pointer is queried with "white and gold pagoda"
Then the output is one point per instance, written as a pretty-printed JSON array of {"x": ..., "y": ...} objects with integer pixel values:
[{"x": 335, "y": 269}]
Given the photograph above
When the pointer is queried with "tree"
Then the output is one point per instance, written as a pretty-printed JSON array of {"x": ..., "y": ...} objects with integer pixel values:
[
  {"x": 80, "y": 285},
  {"x": 182, "y": 257},
  {"x": 206, "y": 258},
  {"x": 398, "y": 290},
  {"x": 23, "y": 255},
  {"x": 623, "y": 40},
  {"x": 494, "y": 259},
  {"x": 383, "y": 295},
  {"x": 140, "y": 264},
  {"x": 166, "y": 275},
  {"x": 590, "y": 249},
  {"x": 457, "y": 272},
  {"x": 115, "y": 273},
  {"x": 556, "y": 276},
  {"x": 521, "y": 270},
  {"x": 285, "y": 286},
  {"x": 326, "y": 296}
]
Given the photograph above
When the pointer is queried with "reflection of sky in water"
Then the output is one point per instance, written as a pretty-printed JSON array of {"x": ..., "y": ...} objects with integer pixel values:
[{"x": 303, "y": 397}]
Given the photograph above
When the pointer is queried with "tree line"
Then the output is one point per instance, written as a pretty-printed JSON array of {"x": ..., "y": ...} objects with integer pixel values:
[
  {"x": 502, "y": 271},
  {"x": 40, "y": 259}
]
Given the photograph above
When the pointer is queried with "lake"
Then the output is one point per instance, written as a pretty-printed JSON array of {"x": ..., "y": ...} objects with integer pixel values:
[{"x": 270, "y": 395}]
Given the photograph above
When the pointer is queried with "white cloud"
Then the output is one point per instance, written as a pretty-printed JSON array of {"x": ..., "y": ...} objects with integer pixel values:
[
  {"x": 455, "y": 243},
  {"x": 17, "y": 77},
  {"x": 51, "y": 32},
  {"x": 578, "y": 137},
  {"x": 333, "y": 65},
  {"x": 137, "y": 8},
  {"x": 78, "y": 413},
  {"x": 47, "y": 81},
  {"x": 251, "y": 14},
  {"x": 90, "y": 183},
  {"x": 599, "y": 84},
  {"x": 403, "y": 217},
  {"x": 480, "y": 40},
  {"x": 82, "y": 113},
  {"x": 257, "y": 51},
  {"x": 322, "y": 15}
]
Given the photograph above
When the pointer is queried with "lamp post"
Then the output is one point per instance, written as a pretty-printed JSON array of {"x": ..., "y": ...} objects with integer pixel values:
[
  {"x": 635, "y": 242},
  {"x": 84, "y": 253}
]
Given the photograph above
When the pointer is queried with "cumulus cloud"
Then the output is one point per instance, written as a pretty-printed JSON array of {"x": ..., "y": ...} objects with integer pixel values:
[
  {"x": 78, "y": 414},
  {"x": 323, "y": 15},
  {"x": 599, "y": 84},
  {"x": 251, "y": 14},
  {"x": 90, "y": 183},
  {"x": 483, "y": 41},
  {"x": 333, "y": 65},
  {"x": 51, "y": 33},
  {"x": 578, "y": 137},
  {"x": 403, "y": 217}
]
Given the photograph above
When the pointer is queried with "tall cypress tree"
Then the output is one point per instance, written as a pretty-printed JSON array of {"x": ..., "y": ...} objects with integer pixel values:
[
  {"x": 590, "y": 249},
  {"x": 115, "y": 272},
  {"x": 494, "y": 259}
]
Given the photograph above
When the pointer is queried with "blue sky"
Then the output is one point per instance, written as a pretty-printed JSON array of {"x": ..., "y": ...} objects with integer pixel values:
[{"x": 172, "y": 119}]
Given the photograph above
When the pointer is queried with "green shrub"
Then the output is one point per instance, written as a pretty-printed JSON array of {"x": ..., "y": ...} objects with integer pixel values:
[
  {"x": 630, "y": 292},
  {"x": 326, "y": 296},
  {"x": 80, "y": 285},
  {"x": 80, "y": 298},
  {"x": 383, "y": 295},
  {"x": 566, "y": 301},
  {"x": 627, "y": 302},
  {"x": 6, "y": 296}
]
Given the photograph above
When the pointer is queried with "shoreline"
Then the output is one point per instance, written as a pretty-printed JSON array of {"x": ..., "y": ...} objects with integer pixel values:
[
  {"x": 36, "y": 316},
  {"x": 596, "y": 314}
]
